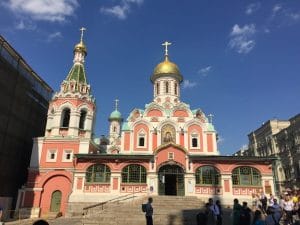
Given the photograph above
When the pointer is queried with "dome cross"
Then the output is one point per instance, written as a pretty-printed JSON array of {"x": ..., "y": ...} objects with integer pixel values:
[
  {"x": 166, "y": 44},
  {"x": 116, "y": 103},
  {"x": 82, "y": 29}
]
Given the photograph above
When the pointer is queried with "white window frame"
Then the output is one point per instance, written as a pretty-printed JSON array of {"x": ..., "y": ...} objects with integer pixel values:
[
  {"x": 49, "y": 153},
  {"x": 141, "y": 133},
  {"x": 171, "y": 155},
  {"x": 65, "y": 153},
  {"x": 195, "y": 135}
]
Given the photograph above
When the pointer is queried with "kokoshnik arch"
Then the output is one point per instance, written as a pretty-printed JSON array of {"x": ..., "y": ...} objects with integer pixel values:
[{"x": 167, "y": 148}]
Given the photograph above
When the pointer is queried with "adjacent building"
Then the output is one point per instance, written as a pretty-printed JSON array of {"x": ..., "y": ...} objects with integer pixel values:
[
  {"x": 166, "y": 148},
  {"x": 23, "y": 114},
  {"x": 280, "y": 139}
]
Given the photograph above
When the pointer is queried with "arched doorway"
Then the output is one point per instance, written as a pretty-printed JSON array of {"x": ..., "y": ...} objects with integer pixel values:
[
  {"x": 171, "y": 180},
  {"x": 55, "y": 201}
]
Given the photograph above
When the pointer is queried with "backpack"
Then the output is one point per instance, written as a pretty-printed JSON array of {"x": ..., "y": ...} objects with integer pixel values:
[{"x": 144, "y": 207}]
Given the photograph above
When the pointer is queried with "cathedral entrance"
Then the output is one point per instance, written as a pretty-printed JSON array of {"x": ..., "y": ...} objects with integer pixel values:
[{"x": 171, "y": 180}]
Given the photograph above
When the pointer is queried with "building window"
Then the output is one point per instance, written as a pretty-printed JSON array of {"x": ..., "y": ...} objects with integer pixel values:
[
  {"x": 98, "y": 173},
  {"x": 167, "y": 86},
  {"x": 142, "y": 139},
  {"x": 134, "y": 174},
  {"x": 157, "y": 88},
  {"x": 82, "y": 119},
  {"x": 175, "y": 89},
  {"x": 51, "y": 155},
  {"x": 194, "y": 140},
  {"x": 207, "y": 175},
  {"x": 65, "y": 117},
  {"x": 247, "y": 176},
  {"x": 170, "y": 155},
  {"x": 67, "y": 156}
]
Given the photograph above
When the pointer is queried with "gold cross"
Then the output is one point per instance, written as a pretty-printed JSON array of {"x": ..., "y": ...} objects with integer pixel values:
[
  {"x": 82, "y": 29},
  {"x": 117, "y": 101},
  {"x": 166, "y": 44}
]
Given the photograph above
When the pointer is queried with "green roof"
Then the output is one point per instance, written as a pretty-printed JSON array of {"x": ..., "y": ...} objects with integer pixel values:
[
  {"x": 210, "y": 127},
  {"x": 77, "y": 73},
  {"x": 115, "y": 115},
  {"x": 125, "y": 126}
]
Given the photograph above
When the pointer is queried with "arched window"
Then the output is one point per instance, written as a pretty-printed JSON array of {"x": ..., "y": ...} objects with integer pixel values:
[
  {"x": 157, "y": 88},
  {"x": 175, "y": 89},
  {"x": 167, "y": 86},
  {"x": 134, "y": 174},
  {"x": 246, "y": 175},
  {"x": 98, "y": 173},
  {"x": 65, "y": 117},
  {"x": 82, "y": 119},
  {"x": 142, "y": 139},
  {"x": 194, "y": 140},
  {"x": 207, "y": 175}
]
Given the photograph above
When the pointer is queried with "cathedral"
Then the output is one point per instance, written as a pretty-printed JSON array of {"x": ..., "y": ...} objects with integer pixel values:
[{"x": 166, "y": 148}]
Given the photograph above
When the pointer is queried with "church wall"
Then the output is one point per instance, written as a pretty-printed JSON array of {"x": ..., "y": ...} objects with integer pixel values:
[
  {"x": 195, "y": 129},
  {"x": 210, "y": 147},
  {"x": 137, "y": 129},
  {"x": 176, "y": 155},
  {"x": 126, "y": 141},
  {"x": 59, "y": 147}
]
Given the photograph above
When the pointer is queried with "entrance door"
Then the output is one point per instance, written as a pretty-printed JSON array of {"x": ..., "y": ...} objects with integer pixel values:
[
  {"x": 171, "y": 180},
  {"x": 55, "y": 201}
]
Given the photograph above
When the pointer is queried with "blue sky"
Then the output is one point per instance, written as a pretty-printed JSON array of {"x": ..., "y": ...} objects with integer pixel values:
[{"x": 240, "y": 59}]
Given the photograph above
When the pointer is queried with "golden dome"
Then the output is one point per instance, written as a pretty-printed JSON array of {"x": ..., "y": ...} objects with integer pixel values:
[
  {"x": 81, "y": 47},
  {"x": 166, "y": 68}
]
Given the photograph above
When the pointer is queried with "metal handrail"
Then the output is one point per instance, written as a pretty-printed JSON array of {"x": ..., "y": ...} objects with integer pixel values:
[{"x": 117, "y": 199}]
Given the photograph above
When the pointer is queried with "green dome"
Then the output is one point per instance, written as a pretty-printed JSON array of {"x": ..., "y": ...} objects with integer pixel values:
[{"x": 115, "y": 115}]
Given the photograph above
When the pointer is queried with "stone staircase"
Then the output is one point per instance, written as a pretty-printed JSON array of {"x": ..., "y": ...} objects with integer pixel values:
[{"x": 168, "y": 210}]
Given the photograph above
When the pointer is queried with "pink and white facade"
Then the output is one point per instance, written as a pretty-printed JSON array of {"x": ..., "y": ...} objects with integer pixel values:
[{"x": 167, "y": 148}]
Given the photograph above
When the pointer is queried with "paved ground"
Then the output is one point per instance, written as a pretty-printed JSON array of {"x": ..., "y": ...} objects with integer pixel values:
[{"x": 78, "y": 221}]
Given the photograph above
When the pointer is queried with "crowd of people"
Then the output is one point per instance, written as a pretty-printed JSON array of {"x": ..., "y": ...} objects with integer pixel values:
[{"x": 265, "y": 210}]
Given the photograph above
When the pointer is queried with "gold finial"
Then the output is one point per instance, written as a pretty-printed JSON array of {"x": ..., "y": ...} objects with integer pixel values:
[
  {"x": 166, "y": 44},
  {"x": 116, "y": 104},
  {"x": 82, "y": 29}
]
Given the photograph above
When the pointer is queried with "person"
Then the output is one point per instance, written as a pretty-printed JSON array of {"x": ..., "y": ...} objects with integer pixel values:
[
  {"x": 277, "y": 208},
  {"x": 216, "y": 211},
  {"x": 220, "y": 216},
  {"x": 288, "y": 207},
  {"x": 149, "y": 212},
  {"x": 258, "y": 219},
  {"x": 272, "y": 218},
  {"x": 210, "y": 217},
  {"x": 271, "y": 200},
  {"x": 255, "y": 201},
  {"x": 1, "y": 213},
  {"x": 263, "y": 199},
  {"x": 40, "y": 222},
  {"x": 236, "y": 212},
  {"x": 245, "y": 215}
]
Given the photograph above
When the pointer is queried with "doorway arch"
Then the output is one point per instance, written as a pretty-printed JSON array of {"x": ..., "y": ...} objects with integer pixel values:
[
  {"x": 55, "y": 201},
  {"x": 171, "y": 180}
]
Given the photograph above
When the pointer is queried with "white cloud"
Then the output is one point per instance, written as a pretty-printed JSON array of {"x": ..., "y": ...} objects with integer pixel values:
[
  {"x": 204, "y": 71},
  {"x": 241, "y": 38},
  {"x": 48, "y": 10},
  {"x": 251, "y": 8},
  {"x": 276, "y": 8},
  {"x": 55, "y": 35},
  {"x": 294, "y": 16},
  {"x": 120, "y": 11},
  {"x": 25, "y": 25},
  {"x": 188, "y": 84}
]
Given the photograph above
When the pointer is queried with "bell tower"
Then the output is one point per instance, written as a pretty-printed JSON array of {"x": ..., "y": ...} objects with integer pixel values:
[
  {"x": 72, "y": 110},
  {"x": 115, "y": 120},
  {"x": 166, "y": 79}
]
